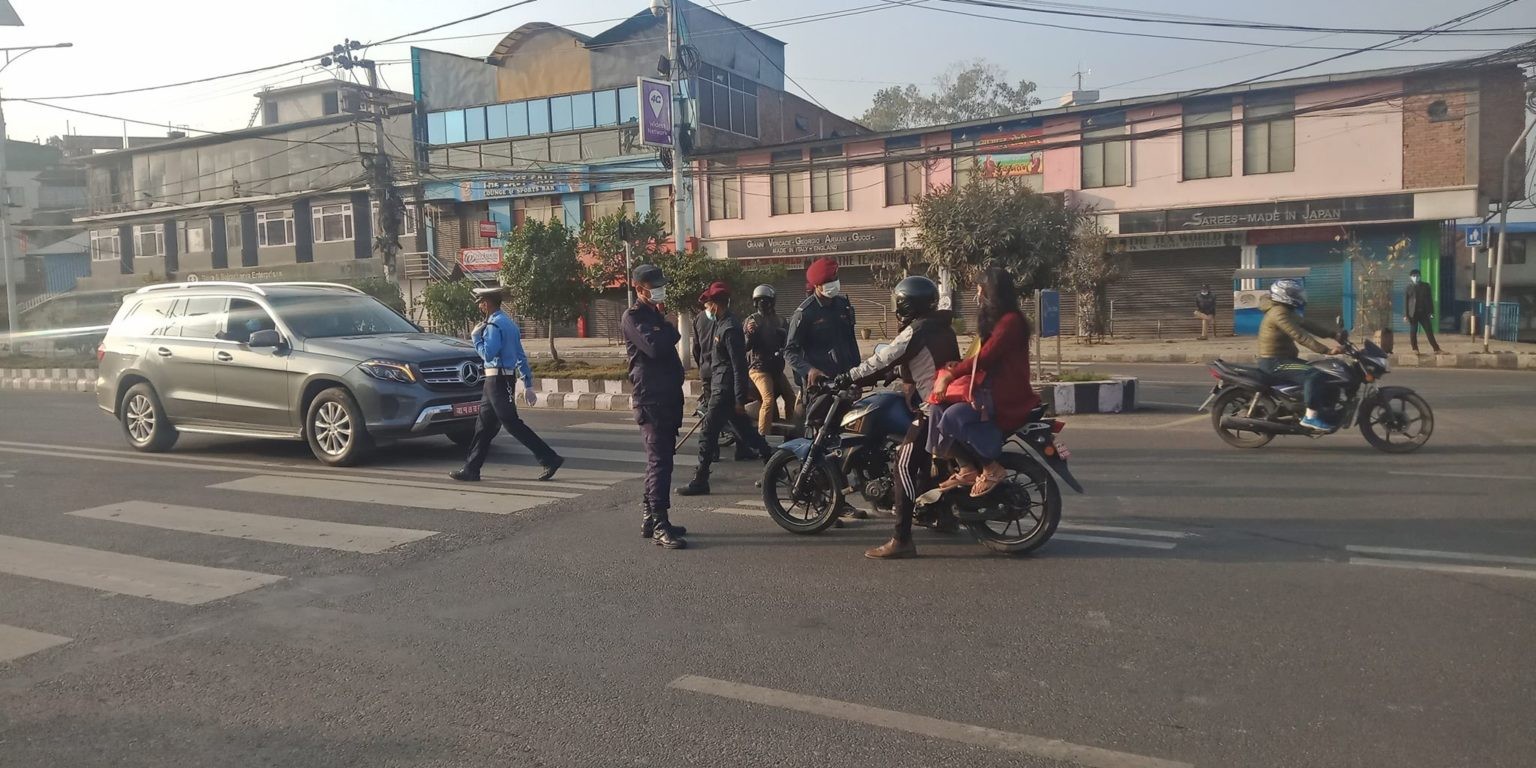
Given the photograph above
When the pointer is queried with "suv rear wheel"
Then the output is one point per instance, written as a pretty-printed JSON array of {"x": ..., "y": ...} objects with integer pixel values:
[
  {"x": 335, "y": 429},
  {"x": 143, "y": 420}
]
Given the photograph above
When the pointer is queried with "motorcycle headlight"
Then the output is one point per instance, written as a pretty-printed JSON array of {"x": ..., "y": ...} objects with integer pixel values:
[{"x": 389, "y": 370}]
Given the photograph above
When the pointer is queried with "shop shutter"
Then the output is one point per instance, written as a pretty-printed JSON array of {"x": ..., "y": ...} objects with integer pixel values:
[
  {"x": 1157, "y": 298},
  {"x": 871, "y": 303},
  {"x": 1325, "y": 281},
  {"x": 606, "y": 313}
]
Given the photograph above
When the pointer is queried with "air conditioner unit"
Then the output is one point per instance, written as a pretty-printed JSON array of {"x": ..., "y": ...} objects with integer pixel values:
[{"x": 1248, "y": 299}]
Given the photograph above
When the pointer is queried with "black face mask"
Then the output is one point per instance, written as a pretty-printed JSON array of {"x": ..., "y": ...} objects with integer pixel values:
[{"x": 765, "y": 307}]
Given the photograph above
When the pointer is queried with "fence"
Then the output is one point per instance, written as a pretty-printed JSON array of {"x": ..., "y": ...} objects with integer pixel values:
[{"x": 1508, "y": 327}]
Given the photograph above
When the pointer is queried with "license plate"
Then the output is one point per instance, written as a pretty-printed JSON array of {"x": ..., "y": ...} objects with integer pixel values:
[
  {"x": 1061, "y": 450},
  {"x": 466, "y": 409}
]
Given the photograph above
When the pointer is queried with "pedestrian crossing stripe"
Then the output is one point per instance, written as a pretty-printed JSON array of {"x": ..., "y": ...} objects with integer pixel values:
[
  {"x": 125, "y": 574},
  {"x": 16, "y": 642},
  {"x": 442, "y": 498},
  {"x": 345, "y": 537}
]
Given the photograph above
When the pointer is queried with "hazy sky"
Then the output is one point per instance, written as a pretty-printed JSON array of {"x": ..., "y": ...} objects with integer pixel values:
[{"x": 840, "y": 61}]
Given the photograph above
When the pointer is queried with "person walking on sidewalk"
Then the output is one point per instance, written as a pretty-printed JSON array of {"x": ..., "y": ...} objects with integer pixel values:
[
  {"x": 729, "y": 390},
  {"x": 1205, "y": 309},
  {"x": 500, "y": 344},
  {"x": 766, "y": 335},
  {"x": 656, "y": 375},
  {"x": 1419, "y": 312}
]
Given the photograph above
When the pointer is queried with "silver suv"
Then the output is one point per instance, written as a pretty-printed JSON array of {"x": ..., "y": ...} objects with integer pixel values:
[{"x": 296, "y": 361}]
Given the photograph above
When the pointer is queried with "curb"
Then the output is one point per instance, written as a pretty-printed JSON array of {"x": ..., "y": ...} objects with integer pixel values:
[
  {"x": 1115, "y": 395},
  {"x": 48, "y": 379},
  {"x": 1503, "y": 361}
]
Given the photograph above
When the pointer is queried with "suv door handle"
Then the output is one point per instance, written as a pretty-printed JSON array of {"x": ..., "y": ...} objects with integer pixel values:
[
  {"x": 223, "y": 357},
  {"x": 163, "y": 352}
]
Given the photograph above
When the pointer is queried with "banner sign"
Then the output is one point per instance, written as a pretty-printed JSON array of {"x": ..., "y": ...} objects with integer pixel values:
[
  {"x": 655, "y": 112},
  {"x": 999, "y": 156},
  {"x": 1290, "y": 213},
  {"x": 1178, "y": 242},
  {"x": 813, "y": 244},
  {"x": 488, "y": 229},
  {"x": 509, "y": 184},
  {"x": 480, "y": 259}
]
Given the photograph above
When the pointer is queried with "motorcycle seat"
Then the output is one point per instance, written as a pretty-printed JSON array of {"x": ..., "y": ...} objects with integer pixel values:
[{"x": 1252, "y": 372}]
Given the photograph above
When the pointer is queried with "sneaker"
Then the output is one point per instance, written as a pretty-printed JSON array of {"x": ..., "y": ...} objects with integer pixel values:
[
  {"x": 551, "y": 468},
  {"x": 1316, "y": 423},
  {"x": 465, "y": 476}
]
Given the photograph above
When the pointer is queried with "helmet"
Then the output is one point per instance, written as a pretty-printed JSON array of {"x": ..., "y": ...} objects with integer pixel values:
[
  {"x": 1289, "y": 292},
  {"x": 916, "y": 296},
  {"x": 764, "y": 292}
]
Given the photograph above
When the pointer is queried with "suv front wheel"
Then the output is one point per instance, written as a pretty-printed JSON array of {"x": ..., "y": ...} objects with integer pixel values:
[
  {"x": 143, "y": 420},
  {"x": 335, "y": 429}
]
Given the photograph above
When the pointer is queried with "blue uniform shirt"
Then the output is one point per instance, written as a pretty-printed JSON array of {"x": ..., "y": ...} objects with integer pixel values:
[{"x": 500, "y": 344}]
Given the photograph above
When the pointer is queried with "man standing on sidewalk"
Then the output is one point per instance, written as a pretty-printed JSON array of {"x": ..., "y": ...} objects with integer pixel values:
[
  {"x": 500, "y": 344},
  {"x": 1419, "y": 311},
  {"x": 1205, "y": 309},
  {"x": 656, "y": 372}
]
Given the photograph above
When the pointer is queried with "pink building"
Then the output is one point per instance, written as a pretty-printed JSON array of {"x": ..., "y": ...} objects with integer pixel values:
[{"x": 1193, "y": 186}]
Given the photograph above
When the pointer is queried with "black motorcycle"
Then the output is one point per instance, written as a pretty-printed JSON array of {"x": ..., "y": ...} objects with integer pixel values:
[
  {"x": 1249, "y": 407},
  {"x": 849, "y": 446}
]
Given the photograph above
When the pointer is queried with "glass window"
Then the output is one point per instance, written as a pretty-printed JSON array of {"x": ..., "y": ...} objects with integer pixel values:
[
  {"x": 201, "y": 317},
  {"x": 1207, "y": 141},
  {"x": 498, "y": 155},
  {"x": 544, "y": 208},
  {"x": 455, "y": 133},
  {"x": 538, "y": 116},
  {"x": 234, "y": 233},
  {"x": 829, "y": 185},
  {"x": 1104, "y": 161},
  {"x": 148, "y": 241},
  {"x": 599, "y": 145},
  {"x": 565, "y": 149},
  {"x": 329, "y": 316},
  {"x": 104, "y": 246},
  {"x": 788, "y": 186},
  {"x": 596, "y": 205},
  {"x": 706, "y": 104},
  {"x": 332, "y": 223},
  {"x": 152, "y": 317},
  {"x": 629, "y": 105},
  {"x": 437, "y": 128},
  {"x": 727, "y": 101},
  {"x": 274, "y": 228},
  {"x": 903, "y": 182},
  {"x": 582, "y": 111},
  {"x": 606, "y": 107},
  {"x": 244, "y": 318},
  {"x": 407, "y": 219},
  {"x": 474, "y": 124},
  {"x": 724, "y": 192},
  {"x": 438, "y": 158},
  {"x": 751, "y": 115},
  {"x": 517, "y": 118},
  {"x": 529, "y": 152},
  {"x": 560, "y": 114},
  {"x": 464, "y": 157},
  {"x": 661, "y": 205},
  {"x": 193, "y": 235},
  {"x": 1269, "y": 135},
  {"x": 739, "y": 113},
  {"x": 496, "y": 122}
]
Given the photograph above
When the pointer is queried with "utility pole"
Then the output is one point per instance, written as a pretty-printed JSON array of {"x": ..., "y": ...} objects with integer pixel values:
[
  {"x": 12, "y": 312},
  {"x": 379, "y": 164},
  {"x": 679, "y": 122},
  {"x": 1498, "y": 261}
]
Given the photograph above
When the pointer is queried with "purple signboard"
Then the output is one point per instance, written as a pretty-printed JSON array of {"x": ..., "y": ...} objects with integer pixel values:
[{"x": 655, "y": 112}]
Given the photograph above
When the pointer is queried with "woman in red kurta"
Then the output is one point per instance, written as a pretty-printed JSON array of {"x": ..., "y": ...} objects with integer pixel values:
[{"x": 1001, "y": 400}]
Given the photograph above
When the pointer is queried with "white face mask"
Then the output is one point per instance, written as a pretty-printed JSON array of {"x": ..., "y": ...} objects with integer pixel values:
[
  {"x": 1414, "y": 278},
  {"x": 658, "y": 295},
  {"x": 710, "y": 313},
  {"x": 832, "y": 290}
]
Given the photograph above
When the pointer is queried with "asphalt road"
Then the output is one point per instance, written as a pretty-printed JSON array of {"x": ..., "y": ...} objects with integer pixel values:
[{"x": 1313, "y": 603}]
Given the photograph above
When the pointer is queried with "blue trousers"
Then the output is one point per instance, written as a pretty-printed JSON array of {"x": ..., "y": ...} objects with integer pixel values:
[{"x": 1314, "y": 392}]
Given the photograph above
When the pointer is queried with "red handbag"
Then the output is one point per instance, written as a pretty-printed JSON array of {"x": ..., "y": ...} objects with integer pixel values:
[{"x": 958, "y": 391}]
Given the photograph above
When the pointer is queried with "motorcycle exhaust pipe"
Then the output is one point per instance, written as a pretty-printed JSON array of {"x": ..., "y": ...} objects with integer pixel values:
[{"x": 1263, "y": 426}]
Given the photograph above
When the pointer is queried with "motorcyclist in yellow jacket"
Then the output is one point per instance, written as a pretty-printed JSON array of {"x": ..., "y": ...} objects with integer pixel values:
[{"x": 1283, "y": 328}]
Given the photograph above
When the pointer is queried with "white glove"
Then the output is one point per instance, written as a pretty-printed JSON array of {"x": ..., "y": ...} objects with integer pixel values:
[{"x": 530, "y": 397}]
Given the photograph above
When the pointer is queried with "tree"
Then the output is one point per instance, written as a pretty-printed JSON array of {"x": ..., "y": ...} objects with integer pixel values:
[
  {"x": 689, "y": 273},
  {"x": 601, "y": 244},
  {"x": 543, "y": 274},
  {"x": 1089, "y": 270},
  {"x": 449, "y": 306},
  {"x": 965, "y": 91},
  {"x": 995, "y": 221},
  {"x": 384, "y": 289}
]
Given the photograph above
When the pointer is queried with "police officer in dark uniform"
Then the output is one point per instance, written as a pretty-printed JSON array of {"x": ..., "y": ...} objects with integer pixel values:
[
  {"x": 704, "y": 359},
  {"x": 656, "y": 372},
  {"x": 821, "y": 341},
  {"x": 729, "y": 389}
]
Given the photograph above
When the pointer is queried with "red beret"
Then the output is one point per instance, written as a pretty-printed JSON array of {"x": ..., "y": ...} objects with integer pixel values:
[
  {"x": 821, "y": 272},
  {"x": 717, "y": 291}
]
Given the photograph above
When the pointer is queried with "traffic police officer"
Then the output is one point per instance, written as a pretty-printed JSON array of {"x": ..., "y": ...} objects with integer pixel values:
[
  {"x": 500, "y": 344},
  {"x": 656, "y": 372},
  {"x": 729, "y": 389}
]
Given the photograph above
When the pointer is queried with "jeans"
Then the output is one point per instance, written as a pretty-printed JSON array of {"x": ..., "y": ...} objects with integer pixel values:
[
  {"x": 1316, "y": 394},
  {"x": 498, "y": 409}
]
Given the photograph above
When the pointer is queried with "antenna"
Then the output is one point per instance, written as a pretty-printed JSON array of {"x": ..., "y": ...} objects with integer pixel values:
[{"x": 1080, "y": 74}]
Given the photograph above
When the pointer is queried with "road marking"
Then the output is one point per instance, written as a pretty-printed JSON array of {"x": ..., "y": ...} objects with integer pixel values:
[
  {"x": 1443, "y": 555},
  {"x": 1121, "y": 529},
  {"x": 392, "y": 496},
  {"x": 369, "y": 539},
  {"x": 621, "y": 457},
  {"x": 16, "y": 642},
  {"x": 1466, "y": 475},
  {"x": 1114, "y": 541},
  {"x": 759, "y": 512},
  {"x": 1473, "y": 570},
  {"x": 125, "y": 574},
  {"x": 619, "y": 426},
  {"x": 1036, "y": 746}
]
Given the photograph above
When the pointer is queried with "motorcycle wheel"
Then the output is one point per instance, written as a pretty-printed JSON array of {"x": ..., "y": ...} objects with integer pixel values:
[
  {"x": 1234, "y": 402},
  {"x": 813, "y": 515},
  {"x": 1399, "y": 422},
  {"x": 1031, "y": 493}
]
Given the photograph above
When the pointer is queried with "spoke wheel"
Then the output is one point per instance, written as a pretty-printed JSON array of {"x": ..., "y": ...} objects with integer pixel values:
[
  {"x": 813, "y": 513},
  {"x": 1234, "y": 403},
  {"x": 143, "y": 420},
  {"x": 1398, "y": 422},
  {"x": 140, "y": 417},
  {"x": 335, "y": 429},
  {"x": 1031, "y": 504}
]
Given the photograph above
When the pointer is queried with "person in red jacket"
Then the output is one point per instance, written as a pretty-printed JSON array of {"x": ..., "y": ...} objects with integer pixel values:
[{"x": 1001, "y": 399}]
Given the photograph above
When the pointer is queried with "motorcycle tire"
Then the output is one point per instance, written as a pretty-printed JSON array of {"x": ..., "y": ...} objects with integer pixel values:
[
  {"x": 1379, "y": 413},
  {"x": 1234, "y": 402},
  {"x": 803, "y": 518},
  {"x": 1033, "y": 530}
]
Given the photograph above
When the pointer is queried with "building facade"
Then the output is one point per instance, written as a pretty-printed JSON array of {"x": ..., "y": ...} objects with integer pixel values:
[{"x": 1190, "y": 186}]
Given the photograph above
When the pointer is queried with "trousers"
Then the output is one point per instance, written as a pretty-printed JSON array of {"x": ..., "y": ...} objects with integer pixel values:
[
  {"x": 914, "y": 470},
  {"x": 1429, "y": 333},
  {"x": 1314, "y": 392},
  {"x": 659, "y": 425},
  {"x": 770, "y": 388},
  {"x": 497, "y": 410},
  {"x": 721, "y": 413}
]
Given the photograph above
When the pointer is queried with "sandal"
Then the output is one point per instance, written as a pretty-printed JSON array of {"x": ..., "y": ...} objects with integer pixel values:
[
  {"x": 990, "y": 478},
  {"x": 961, "y": 479}
]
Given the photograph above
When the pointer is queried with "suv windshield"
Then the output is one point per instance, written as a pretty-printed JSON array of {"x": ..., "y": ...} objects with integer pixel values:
[{"x": 318, "y": 317}]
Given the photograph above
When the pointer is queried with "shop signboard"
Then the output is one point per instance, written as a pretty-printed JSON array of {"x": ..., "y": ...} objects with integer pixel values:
[
  {"x": 1288, "y": 213},
  {"x": 1000, "y": 155},
  {"x": 488, "y": 229},
  {"x": 480, "y": 259},
  {"x": 655, "y": 112},
  {"x": 1178, "y": 241},
  {"x": 812, "y": 244}
]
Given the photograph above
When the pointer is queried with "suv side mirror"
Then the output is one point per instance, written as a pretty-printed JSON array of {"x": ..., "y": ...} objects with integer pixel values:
[{"x": 265, "y": 340}]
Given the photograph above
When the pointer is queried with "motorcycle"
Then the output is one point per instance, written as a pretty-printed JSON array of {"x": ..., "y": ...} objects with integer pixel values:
[
  {"x": 849, "y": 446},
  {"x": 1249, "y": 408}
]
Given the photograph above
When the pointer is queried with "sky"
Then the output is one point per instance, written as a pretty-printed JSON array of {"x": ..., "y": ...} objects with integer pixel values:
[{"x": 840, "y": 62}]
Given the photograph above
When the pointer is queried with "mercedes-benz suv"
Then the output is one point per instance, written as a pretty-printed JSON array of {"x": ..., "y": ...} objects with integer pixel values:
[{"x": 319, "y": 362}]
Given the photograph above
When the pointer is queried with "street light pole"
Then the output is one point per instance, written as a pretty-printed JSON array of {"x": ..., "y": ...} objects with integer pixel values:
[
  {"x": 12, "y": 312},
  {"x": 679, "y": 120},
  {"x": 1498, "y": 261}
]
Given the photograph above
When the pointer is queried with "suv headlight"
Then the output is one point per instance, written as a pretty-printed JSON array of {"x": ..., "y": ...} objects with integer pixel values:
[{"x": 389, "y": 370}]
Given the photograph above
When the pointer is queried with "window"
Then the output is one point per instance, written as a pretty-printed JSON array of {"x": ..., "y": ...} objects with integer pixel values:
[
  {"x": 596, "y": 205},
  {"x": 726, "y": 101},
  {"x": 565, "y": 149},
  {"x": 200, "y": 318},
  {"x": 546, "y": 208},
  {"x": 829, "y": 185},
  {"x": 437, "y": 128},
  {"x": 274, "y": 228},
  {"x": 560, "y": 118},
  {"x": 903, "y": 182},
  {"x": 148, "y": 241},
  {"x": 152, "y": 317},
  {"x": 193, "y": 235},
  {"x": 661, "y": 205},
  {"x": 269, "y": 113},
  {"x": 332, "y": 223},
  {"x": 606, "y": 106},
  {"x": 104, "y": 245},
  {"x": 474, "y": 124},
  {"x": 245, "y": 318},
  {"x": 330, "y": 103},
  {"x": 1207, "y": 140},
  {"x": 530, "y": 153},
  {"x": 455, "y": 133},
  {"x": 407, "y": 220},
  {"x": 583, "y": 113},
  {"x": 329, "y": 316},
  {"x": 629, "y": 105},
  {"x": 517, "y": 119},
  {"x": 1269, "y": 135},
  {"x": 600, "y": 144},
  {"x": 496, "y": 122},
  {"x": 788, "y": 186},
  {"x": 497, "y": 155},
  {"x": 1103, "y": 156},
  {"x": 724, "y": 192},
  {"x": 538, "y": 116},
  {"x": 463, "y": 157},
  {"x": 234, "y": 233}
]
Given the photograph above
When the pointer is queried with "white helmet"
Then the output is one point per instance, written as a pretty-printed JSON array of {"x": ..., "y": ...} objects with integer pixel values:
[
  {"x": 1289, "y": 292},
  {"x": 764, "y": 291}
]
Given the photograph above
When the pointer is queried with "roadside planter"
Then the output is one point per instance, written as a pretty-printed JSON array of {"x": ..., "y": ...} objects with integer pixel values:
[{"x": 1115, "y": 394}]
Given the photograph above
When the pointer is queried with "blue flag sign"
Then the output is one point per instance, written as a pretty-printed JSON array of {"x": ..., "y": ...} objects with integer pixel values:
[
  {"x": 1476, "y": 236},
  {"x": 1050, "y": 314}
]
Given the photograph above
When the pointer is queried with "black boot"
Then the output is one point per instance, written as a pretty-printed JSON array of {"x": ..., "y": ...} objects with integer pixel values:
[
  {"x": 648, "y": 525},
  {"x": 667, "y": 535},
  {"x": 699, "y": 486}
]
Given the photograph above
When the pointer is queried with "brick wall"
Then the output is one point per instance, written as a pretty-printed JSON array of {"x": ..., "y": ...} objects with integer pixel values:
[
  {"x": 1501, "y": 117},
  {"x": 1435, "y": 148}
]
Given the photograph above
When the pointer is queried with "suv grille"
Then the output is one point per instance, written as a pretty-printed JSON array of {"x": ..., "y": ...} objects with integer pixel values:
[{"x": 449, "y": 375}]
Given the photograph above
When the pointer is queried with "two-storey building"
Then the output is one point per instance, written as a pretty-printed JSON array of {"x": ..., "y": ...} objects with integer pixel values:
[{"x": 1191, "y": 186}]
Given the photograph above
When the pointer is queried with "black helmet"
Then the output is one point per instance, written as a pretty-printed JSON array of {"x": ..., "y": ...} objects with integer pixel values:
[{"x": 916, "y": 296}]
